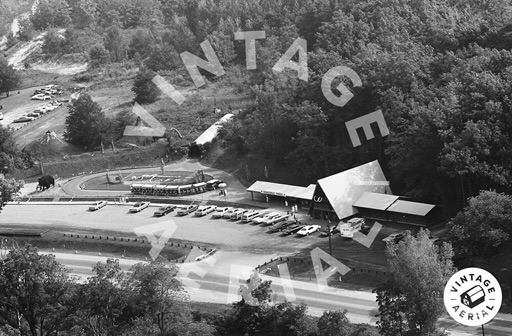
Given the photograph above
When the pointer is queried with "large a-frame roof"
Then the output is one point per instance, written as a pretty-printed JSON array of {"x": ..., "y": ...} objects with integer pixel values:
[{"x": 344, "y": 189}]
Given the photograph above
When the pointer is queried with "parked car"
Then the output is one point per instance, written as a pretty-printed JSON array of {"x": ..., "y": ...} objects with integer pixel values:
[
  {"x": 249, "y": 215},
  {"x": 347, "y": 229},
  {"x": 1, "y": 116},
  {"x": 365, "y": 228},
  {"x": 187, "y": 209},
  {"x": 394, "y": 237},
  {"x": 24, "y": 119},
  {"x": 276, "y": 219},
  {"x": 281, "y": 226},
  {"x": 97, "y": 205},
  {"x": 309, "y": 229},
  {"x": 41, "y": 96},
  {"x": 227, "y": 214},
  {"x": 333, "y": 230},
  {"x": 263, "y": 217},
  {"x": 220, "y": 211},
  {"x": 33, "y": 114},
  {"x": 292, "y": 229},
  {"x": 238, "y": 213},
  {"x": 204, "y": 210},
  {"x": 139, "y": 206},
  {"x": 162, "y": 211}
]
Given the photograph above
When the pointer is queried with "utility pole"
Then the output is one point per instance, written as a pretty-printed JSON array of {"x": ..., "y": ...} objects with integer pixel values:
[{"x": 330, "y": 234}]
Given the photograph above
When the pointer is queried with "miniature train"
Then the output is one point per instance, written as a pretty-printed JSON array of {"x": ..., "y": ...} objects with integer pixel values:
[{"x": 174, "y": 190}]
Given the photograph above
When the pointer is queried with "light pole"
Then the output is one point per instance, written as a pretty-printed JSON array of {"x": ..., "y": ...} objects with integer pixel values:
[{"x": 329, "y": 233}]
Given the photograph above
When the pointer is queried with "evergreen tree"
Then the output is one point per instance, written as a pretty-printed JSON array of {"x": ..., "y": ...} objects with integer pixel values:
[{"x": 86, "y": 123}]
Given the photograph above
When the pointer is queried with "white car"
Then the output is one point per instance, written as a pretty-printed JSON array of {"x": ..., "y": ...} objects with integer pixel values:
[
  {"x": 394, "y": 237},
  {"x": 262, "y": 218},
  {"x": 139, "y": 206},
  {"x": 204, "y": 210},
  {"x": 41, "y": 96},
  {"x": 238, "y": 213},
  {"x": 97, "y": 205},
  {"x": 275, "y": 220},
  {"x": 1, "y": 116},
  {"x": 308, "y": 229},
  {"x": 249, "y": 215},
  {"x": 227, "y": 214},
  {"x": 220, "y": 211}
]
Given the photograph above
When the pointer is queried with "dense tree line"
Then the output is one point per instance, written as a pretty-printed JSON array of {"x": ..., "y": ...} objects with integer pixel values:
[
  {"x": 39, "y": 297},
  {"x": 440, "y": 76},
  {"x": 149, "y": 300}
]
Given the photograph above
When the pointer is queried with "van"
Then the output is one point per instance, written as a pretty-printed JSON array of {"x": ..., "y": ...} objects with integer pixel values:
[
  {"x": 347, "y": 229},
  {"x": 249, "y": 216}
]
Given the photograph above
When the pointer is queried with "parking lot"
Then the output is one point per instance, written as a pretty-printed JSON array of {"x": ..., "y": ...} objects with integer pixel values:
[{"x": 227, "y": 234}]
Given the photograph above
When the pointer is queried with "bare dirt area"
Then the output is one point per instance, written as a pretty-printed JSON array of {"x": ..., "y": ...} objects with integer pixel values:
[{"x": 61, "y": 68}]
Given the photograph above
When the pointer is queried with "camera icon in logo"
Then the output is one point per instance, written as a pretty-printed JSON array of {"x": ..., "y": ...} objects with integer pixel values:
[{"x": 473, "y": 296}]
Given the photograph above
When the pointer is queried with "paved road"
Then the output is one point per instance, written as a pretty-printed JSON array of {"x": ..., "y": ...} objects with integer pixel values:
[{"x": 218, "y": 280}]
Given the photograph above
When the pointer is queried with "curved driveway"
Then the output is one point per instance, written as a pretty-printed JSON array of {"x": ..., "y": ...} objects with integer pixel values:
[{"x": 236, "y": 192}]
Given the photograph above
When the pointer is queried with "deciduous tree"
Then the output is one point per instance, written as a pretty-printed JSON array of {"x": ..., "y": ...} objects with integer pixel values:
[{"x": 412, "y": 299}]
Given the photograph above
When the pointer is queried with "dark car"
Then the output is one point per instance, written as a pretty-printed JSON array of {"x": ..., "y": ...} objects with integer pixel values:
[
  {"x": 333, "y": 229},
  {"x": 280, "y": 226},
  {"x": 292, "y": 229},
  {"x": 365, "y": 228},
  {"x": 213, "y": 184},
  {"x": 162, "y": 211}
]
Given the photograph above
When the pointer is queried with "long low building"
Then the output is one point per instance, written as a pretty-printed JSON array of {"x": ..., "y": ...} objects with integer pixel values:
[
  {"x": 362, "y": 190},
  {"x": 394, "y": 209},
  {"x": 267, "y": 191}
]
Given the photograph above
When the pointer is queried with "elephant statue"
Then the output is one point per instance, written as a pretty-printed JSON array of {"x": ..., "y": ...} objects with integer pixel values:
[{"x": 45, "y": 182}]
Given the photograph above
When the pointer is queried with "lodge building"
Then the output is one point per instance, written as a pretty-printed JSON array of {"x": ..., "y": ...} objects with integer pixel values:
[{"x": 362, "y": 191}]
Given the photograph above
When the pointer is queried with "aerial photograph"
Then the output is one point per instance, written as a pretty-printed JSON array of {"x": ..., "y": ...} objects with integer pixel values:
[{"x": 255, "y": 167}]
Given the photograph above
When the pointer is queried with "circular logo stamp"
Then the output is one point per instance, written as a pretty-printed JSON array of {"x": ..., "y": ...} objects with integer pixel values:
[{"x": 472, "y": 296}]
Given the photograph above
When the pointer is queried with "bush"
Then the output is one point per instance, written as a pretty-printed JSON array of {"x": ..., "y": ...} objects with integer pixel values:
[
  {"x": 98, "y": 56},
  {"x": 145, "y": 90}
]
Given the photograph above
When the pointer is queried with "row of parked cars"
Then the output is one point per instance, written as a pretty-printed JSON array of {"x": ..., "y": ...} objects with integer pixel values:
[
  {"x": 47, "y": 93},
  {"x": 279, "y": 222},
  {"x": 39, "y": 112}
]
